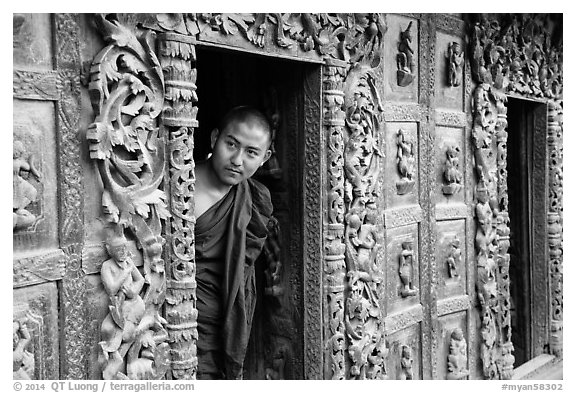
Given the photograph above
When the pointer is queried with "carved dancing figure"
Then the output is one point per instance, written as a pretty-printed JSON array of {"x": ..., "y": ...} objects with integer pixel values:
[
  {"x": 456, "y": 62},
  {"x": 22, "y": 359},
  {"x": 406, "y": 162},
  {"x": 23, "y": 192},
  {"x": 405, "y": 270},
  {"x": 123, "y": 283},
  {"x": 406, "y": 363},
  {"x": 404, "y": 59},
  {"x": 454, "y": 257},
  {"x": 452, "y": 173},
  {"x": 458, "y": 356}
]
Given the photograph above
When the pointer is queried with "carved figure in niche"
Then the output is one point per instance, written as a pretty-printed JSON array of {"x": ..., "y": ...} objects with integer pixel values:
[
  {"x": 486, "y": 235},
  {"x": 406, "y": 362},
  {"x": 458, "y": 356},
  {"x": 452, "y": 173},
  {"x": 454, "y": 257},
  {"x": 404, "y": 59},
  {"x": 232, "y": 214},
  {"x": 406, "y": 163},
  {"x": 22, "y": 359},
  {"x": 123, "y": 283},
  {"x": 455, "y": 64},
  {"x": 405, "y": 270},
  {"x": 23, "y": 192}
]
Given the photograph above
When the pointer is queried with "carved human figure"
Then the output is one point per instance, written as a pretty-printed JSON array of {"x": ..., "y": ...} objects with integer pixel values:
[
  {"x": 452, "y": 173},
  {"x": 458, "y": 356},
  {"x": 367, "y": 245},
  {"x": 123, "y": 283},
  {"x": 406, "y": 162},
  {"x": 405, "y": 270},
  {"x": 485, "y": 234},
  {"x": 456, "y": 62},
  {"x": 404, "y": 59},
  {"x": 406, "y": 362},
  {"x": 377, "y": 353},
  {"x": 454, "y": 257},
  {"x": 23, "y": 192},
  {"x": 22, "y": 359}
]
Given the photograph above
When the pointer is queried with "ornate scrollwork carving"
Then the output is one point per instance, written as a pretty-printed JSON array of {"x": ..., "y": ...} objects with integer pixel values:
[
  {"x": 362, "y": 156},
  {"x": 457, "y": 356},
  {"x": 452, "y": 173},
  {"x": 126, "y": 88}
]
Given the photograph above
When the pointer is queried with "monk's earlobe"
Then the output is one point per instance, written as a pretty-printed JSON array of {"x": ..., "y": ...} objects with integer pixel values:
[
  {"x": 214, "y": 137},
  {"x": 266, "y": 156}
]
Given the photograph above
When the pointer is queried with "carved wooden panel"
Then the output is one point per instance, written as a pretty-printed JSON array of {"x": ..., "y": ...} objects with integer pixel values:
[
  {"x": 404, "y": 356},
  {"x": 32, "y": 42},
  {"x": 401, "y": 54},
  {"x": 450, "y": 57},
  {"x": 453, "y": 351},
  {"x": 451, "y": 258},
  {"x": 450, "y": 158},
  {"x": 35, "y": 176},
  {"x": 401, "y": 162},
  {"x": 36, "y": 332}
]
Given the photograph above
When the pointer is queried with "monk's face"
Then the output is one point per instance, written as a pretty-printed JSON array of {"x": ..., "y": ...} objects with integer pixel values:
[{"x": 238, "y": 151}]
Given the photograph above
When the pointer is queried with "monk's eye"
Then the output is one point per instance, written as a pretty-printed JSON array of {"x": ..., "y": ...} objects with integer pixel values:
[
  {"x": 230, "y": 144},
  {"x": 252, "y": 153}
]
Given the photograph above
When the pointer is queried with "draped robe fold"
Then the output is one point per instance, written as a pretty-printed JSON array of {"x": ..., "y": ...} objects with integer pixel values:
[{"x": 229, "y": 238}]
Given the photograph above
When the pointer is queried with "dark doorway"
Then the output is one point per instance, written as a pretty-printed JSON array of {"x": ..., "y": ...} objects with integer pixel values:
[
  {"x": 279, "y": 89},
  {"x": 527, "y": 179}
]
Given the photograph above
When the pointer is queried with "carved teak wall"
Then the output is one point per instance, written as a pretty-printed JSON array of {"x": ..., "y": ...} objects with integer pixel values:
[{"x": 404, "y": 272}]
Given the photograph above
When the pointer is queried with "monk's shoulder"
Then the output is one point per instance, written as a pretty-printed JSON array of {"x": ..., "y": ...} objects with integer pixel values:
[{"x": 261, "y": 199}]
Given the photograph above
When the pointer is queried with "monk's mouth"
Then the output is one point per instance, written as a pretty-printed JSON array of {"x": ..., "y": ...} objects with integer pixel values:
[{"x": 234, "y": 171}]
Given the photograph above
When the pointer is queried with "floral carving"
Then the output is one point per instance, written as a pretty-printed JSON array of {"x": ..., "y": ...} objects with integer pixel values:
[
  {"x": 126, "y": 88},
  {"x": 22, "y": 358}
]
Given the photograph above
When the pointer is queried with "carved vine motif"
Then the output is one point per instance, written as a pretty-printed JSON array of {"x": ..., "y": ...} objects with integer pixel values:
[
  {"x": 519, "y": 53},
  {"x": 26, "y": 182},
  {"x": 177, "y": 57},
  {"x": 349, "y": 37},
  {"x": 22, "y": 358},
  {"x": 455, "y": 64},
  {"x": 406, "y": 265},
  {"x": 126, "y": 88},
  {"x": 363, "y": 317},
  {"x": 406, "y": 363},
  {"x": 492, "y": 241},
  {"x": 458, "y": 356},
  {"x": 555, "y": 222},
  {"x": 454, "y": 258},
  {"x": 405, "y": 58},
  {"x": 406, "y": 163},
  {"x": 452, "y": 172}
]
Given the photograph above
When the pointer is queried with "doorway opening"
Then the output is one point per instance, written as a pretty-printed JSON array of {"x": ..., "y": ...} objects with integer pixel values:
[
  {"x": 279, "y": 89},
  {"x": 527, "y": 192}
]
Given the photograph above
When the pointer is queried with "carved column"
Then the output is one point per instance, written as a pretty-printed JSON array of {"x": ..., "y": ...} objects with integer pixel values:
[
  {"x": 71, "y": 206},
  {"x": 555, "y": 224},
  {"x": 503, "y": 234},
  {"x": 334, "y": 263},
  {"x": 177, "y": 57}
]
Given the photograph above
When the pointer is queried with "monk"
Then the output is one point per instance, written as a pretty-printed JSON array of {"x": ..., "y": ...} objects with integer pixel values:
[{"x": 232, "y": 212}]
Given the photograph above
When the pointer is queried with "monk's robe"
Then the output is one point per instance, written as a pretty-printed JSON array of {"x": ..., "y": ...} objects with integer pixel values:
[{"x": 229, "y": 238}]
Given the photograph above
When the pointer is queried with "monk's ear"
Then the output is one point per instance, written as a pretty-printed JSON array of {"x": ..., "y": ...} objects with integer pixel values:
[
  {"x": 214, "y": 137},
  {"x": 267, "y": 155}
]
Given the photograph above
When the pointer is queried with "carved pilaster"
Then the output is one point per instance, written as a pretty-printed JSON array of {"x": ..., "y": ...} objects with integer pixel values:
[
  {"x": 71, "y": 225},
  {"x": 127, "y": 92},
  {"x": 363, "y": 316},
  {"x": 334, "y": 264},
  {"x": 177, "y": 57},
  {"x": 555, "y": 224}
]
